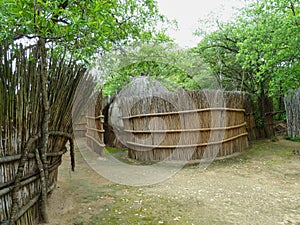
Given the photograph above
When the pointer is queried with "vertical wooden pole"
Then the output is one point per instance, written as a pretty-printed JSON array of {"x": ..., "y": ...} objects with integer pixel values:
[{"x": 45, "y": 126}]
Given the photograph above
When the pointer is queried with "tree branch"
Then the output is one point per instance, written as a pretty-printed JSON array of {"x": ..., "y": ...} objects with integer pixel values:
[{"x": 220, "y": 46}]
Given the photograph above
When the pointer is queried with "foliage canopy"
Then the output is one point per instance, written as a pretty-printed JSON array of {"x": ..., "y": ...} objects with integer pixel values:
[
  {"x": 83, "y": 27},
  {"x": 259, "y": 51}
]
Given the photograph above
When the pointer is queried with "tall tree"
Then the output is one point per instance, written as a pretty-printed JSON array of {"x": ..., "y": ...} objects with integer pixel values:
[
  {"x": 172, "y": 66},
  {"x": 272, "y": 28},
  {"x": 84, "y": 26},
  {"x": 258, "y": 52}
]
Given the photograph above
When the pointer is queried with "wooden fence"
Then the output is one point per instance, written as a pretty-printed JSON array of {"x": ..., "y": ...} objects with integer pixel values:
[
  {"x": 95, "y": 133},
  {"x": 91, "y": 127},
  {"x": 292, "y": 106},
  {"x": 29, "y": 155},
  {"x": 205, "y": 121},
  {"x": 29, "y": 189},
  {"x": 90, "y": 124}
]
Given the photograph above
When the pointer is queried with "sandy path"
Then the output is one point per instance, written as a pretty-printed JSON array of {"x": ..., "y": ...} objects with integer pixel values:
[{"x": 259, "y": 188}]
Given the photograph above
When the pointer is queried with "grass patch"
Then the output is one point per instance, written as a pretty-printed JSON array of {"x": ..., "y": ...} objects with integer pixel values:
[
  {"x": 115, "y": 150},
  {"x": 122, "y": 155},
  {"x": 296, "y": 139},
  {"x": 261, "y": 150},
  {"x": 133, "y": 206}
]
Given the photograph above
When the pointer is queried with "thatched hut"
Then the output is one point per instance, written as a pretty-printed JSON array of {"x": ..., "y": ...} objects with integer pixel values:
[{"x": 181, "y": 125}]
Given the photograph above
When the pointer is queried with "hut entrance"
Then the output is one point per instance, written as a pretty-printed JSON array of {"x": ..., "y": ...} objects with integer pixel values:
[{"x": 111, "y": 113}]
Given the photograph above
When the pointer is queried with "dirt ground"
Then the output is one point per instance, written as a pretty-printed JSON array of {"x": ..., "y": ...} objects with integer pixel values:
[{"x": 259, "y": 186}]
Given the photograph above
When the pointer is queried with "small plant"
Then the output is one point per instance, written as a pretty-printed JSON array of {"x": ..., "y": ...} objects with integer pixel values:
[
  {"x": 114, "y": 150},
  {"x": 258, "y": 120},
  {"x": 274, "y": 138},
  {"x": 296, "y": 139}
]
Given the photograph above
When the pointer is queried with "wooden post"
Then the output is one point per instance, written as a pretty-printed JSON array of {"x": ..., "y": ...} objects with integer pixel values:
[{"x": 292, "y": 106}]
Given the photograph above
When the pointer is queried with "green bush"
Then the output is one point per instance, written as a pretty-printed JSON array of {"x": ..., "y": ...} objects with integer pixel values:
[{"x": 297, "y": 139}]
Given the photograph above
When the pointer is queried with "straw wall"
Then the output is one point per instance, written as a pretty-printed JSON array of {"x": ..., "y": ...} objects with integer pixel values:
[
  {"x": 184, "y": 125},
  {"x": 95, "y": 135},
  {"x": 94, "y": 125},
  {"x": 80, "y": 127}
]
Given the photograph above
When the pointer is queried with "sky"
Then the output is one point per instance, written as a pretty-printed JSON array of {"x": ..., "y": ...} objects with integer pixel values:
[{"x": 188, "y": 12}]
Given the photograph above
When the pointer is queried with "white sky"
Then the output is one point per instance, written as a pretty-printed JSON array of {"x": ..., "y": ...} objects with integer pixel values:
[{"x": 188, "y": 12}]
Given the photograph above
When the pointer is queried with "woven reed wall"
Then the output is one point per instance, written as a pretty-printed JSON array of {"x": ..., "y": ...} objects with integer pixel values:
[
  {"x": 30, "y": 186},
  {"x": 184, "y": 125},
  {"x": 25, "y": 175}
]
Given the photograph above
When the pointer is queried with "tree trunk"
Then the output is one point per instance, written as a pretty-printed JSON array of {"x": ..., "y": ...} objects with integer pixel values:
[
  {"x": 281, "y": 107},
  {"x": 45, "y": 127},
  {"x": 265, "y": 106},
  {"x": 292, "y": 106}
]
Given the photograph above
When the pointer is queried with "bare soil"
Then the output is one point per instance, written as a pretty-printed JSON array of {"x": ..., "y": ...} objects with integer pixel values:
[{"x": 258, "y": 186}]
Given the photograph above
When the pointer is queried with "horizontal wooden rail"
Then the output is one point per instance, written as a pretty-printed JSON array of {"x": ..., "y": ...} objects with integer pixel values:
[
  {"x": 78, "y": 124},
  {"x": 23, "y": 183},
  {"x": 95, "y": 140},
  {"x": 80, "y": 129},
  {"x": 59, "y": 153},
  {"x": 11, "y": 158},
  {"x": 185, "y": 130},
  {"x": 26, "y": 207},
  {"x": 29, "y": 204},
  {"x": 183, "y": 112},
  {"x": 187, "y": 146},
  {"x": 27, "y": 179},
  {"x": 94, "y": 118},
  {"x": 95, "y": 129}
]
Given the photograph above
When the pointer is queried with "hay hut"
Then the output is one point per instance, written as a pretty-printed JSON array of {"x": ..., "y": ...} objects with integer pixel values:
[{"x": 182, "y": 125}]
